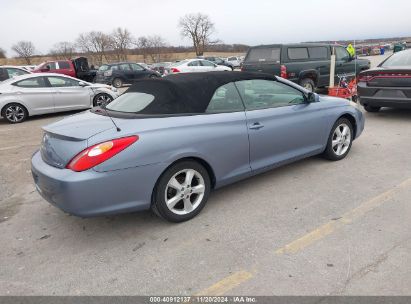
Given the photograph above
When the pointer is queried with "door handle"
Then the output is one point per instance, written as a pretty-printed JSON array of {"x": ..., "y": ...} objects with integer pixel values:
[{"x": 256, "y": 126}]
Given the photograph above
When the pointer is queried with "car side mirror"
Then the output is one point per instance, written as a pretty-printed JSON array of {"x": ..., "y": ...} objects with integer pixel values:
[
  {"x": 310, "y": 97},
  {"x": 82, "y": 84}
]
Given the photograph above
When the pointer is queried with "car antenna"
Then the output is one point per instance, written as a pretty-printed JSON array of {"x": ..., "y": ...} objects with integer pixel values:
[{"x": 112, "y": 120}]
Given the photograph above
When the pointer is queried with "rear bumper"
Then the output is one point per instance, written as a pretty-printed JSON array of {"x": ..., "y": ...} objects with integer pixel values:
[
  {"x": 92, "y": 193},
  {"x": 385, "y": 96}
]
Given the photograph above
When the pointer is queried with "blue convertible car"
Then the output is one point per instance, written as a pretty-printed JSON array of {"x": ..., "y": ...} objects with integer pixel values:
[{"x": 166, "y": 143}]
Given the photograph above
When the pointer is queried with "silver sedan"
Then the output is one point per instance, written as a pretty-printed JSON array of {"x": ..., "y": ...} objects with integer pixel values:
[{"x": 34, "y": 94}]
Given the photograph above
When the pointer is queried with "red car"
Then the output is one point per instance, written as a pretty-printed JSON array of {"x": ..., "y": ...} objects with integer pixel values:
[{"x": 77, "y": 68}]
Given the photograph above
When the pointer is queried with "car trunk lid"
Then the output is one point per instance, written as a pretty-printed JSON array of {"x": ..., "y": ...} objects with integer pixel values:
[
  {"x": 64, "y": 139},
  {"x": 387, "y": 77}
]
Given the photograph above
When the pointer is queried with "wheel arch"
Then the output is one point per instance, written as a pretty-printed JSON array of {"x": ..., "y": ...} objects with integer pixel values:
[
  {"x": 197, "y": 159},
  {"x": 352, "y": 120},
  {"x": 15, "y": 101}
]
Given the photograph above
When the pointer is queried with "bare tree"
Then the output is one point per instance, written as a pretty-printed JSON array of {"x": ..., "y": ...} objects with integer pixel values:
[
  {"x": 120, "y": 41},
  {"x": 152, "y": 46},
  {"x": 63, "y": 50},
  {"x": 2, "y": 53},
  {"x": 94, "y": 43},
  {"x": 197, "y": 27},
  {"x": 24, "y": 49}
]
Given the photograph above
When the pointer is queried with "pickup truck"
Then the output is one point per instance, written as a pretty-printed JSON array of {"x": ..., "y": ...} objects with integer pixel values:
[
  {"x": 77, "y": 68},
  {"x": 307, "y": 64}
]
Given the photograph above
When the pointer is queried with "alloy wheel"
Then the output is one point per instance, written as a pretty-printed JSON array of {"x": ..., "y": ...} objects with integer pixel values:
[
  {"x": 102, "y": 99},
  {"x": 341, "y": 139},
  {"x": 184, "y": 191},
  {"x": 15, "y": 113}
]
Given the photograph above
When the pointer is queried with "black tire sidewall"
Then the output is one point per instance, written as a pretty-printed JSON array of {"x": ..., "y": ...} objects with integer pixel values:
[
  {"x": 329, "y": 152},
  {"x": 3, "y": 112},
  {"x": 159, "y": 205}
]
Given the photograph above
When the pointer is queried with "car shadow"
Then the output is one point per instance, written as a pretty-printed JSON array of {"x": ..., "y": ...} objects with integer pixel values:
[{"x": 391, "y": 114}]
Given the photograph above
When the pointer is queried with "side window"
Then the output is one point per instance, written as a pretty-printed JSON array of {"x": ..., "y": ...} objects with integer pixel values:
[
  {"x": 207, "y": 63},
  {"x": 136, "y": 67},
  {"x": 262, "y": 94},
  {"x": 318, "y": 52},
  {"x": 297, "y": 53},
  {"x": 225, "y": 99},
  {"x": 125, "y": 67},
  {"x": 341, "y": 54},
  {"x": 52, "y": 65},
  {"x": 4, "y": 74},
  {"x": 194, "y": 63},
  {"x": 37, "y": 82},
  {"x": 61, "y": 82},
  {"x": 64, "y": 65},
  {"x": 15, "y": 72}
]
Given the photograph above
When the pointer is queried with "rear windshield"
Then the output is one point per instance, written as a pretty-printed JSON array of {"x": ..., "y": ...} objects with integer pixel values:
[
  {"x": 402, "y": 58},
  {"x": 133, "y": 102},
  {"x": 264, "y": 54}
]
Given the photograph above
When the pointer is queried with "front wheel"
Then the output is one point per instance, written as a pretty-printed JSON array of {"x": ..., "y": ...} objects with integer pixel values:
[
  {"x": 102, "y": 99},
  {"x": 181, "y": 192},
  {"x": 340, "y": 140}
]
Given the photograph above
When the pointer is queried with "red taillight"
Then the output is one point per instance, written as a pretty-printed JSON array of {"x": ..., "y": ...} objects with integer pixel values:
[
  {"x": 99, "y": 153},
  {"x": 283, "y": 72},
  {"x": 174, "y": 70},
  {"x": 365, "y": 78}
]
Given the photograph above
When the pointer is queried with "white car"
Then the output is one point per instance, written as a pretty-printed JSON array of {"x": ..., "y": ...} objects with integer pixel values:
[
  {"x": 195, "y": 65},
  {"x": 235, "y": 61},
  {"x": 35, "y": 94},
  {"x": 10, "y": 71}
]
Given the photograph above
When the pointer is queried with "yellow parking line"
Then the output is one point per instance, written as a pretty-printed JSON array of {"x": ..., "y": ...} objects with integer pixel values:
[
  {"x": 348, "y": 217},
  {"x": 226, "y": 284}
]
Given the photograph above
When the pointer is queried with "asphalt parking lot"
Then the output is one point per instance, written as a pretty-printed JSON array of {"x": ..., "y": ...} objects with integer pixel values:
[{"x": 311, "y": 228}]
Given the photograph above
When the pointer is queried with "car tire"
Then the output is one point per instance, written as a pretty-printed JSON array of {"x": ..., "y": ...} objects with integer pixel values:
[
  {"x": 102, "y": 99},
  {"x": 186, "y": 202},
  {"x": 340, "y": 140},
  {"x": 308, "y": 84},
  {"x": 117, "y": 83},
  {"x": 372, "y": 109},
  {"x": 14, "y": 113}
]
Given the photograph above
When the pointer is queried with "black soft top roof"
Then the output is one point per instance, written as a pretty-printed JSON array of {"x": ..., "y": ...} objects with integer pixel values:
[{"x": 187, "y": 92}]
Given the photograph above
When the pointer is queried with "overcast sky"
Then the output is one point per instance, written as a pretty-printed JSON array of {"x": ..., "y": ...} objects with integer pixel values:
[{"x": 45, "y": 22}]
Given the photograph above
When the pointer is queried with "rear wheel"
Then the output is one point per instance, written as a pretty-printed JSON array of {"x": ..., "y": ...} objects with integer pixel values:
[
  {"x": 102, "y": 99},
  {"x": 369, "y": 108},
  {"x": 308, "y": 84},
  {"x": 181, "y": 192},
  {"x": 340, "y": 140},
  {"x": 14, "y": 113},
  {"x": 117, "y": 83}
]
